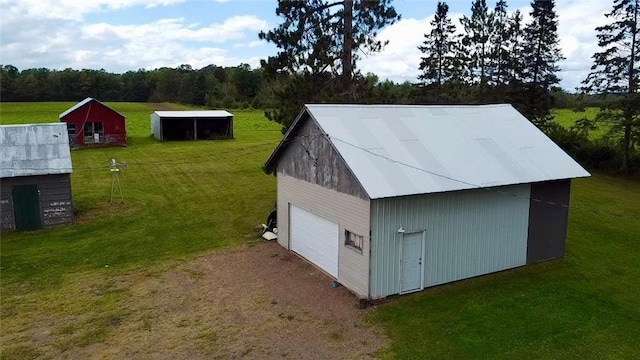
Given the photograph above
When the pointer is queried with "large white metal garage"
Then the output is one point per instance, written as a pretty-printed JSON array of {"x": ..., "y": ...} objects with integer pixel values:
[
  {"x": 392, "y": 199},
  {"x": 315, "y": 238}
]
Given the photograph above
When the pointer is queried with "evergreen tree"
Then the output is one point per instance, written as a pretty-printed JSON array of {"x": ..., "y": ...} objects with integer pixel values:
[
  {"x": 499, "y": 66},
  {"x": 616, "y": 70},
  {"x": 541, "y": 47},
  {"x": 441, "y": 63},
  {"x": 540, "y": 55},
  {"x": 476, "y": 42},
  {"x": 318, "y": 39},
  {"x": 514, "y": 64}
]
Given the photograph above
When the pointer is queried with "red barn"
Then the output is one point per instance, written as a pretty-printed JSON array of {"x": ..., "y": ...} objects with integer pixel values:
[{"x": 92, "y": 123}]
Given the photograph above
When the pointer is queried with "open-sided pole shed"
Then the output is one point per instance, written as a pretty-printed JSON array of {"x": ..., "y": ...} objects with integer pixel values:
[{"x": 192, "y": 125}]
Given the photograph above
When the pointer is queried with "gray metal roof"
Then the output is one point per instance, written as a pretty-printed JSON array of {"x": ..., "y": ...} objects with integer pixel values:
[
  {"x": 34, "y": 150},
  {"x": 194, "y": 113},
  {"x": 396, "y": 150},
  {"x": 81, "y": 104}
]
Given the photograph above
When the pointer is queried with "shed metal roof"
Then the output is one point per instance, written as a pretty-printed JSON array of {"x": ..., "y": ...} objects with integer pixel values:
[
  {"x": 81, "y": 104},
  {"x": 396, "y": 150},
  {"x": 34, "y": 150},
  {"x": 194, "y": 113}
]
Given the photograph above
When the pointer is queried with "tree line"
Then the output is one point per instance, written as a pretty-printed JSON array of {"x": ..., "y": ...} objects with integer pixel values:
[
  {"x": 212, "y": 86},
  {"x": 490, "y": 56}
]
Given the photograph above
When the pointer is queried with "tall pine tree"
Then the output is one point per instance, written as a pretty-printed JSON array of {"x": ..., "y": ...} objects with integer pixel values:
[
  {"x": 441, "y": 61},
  {"x": 516, "y": 44},
  {"x": 500, "y": 37},
  {"x": 476, "y": 42},
  {"x": 541, "y": 50},
  {"x": 616, "y": 70},
  {"x": 318, "y": 40},
  {"x": 540, "y": 56}
]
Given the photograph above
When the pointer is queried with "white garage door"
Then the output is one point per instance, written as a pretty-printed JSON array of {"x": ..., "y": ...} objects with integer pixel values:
[{"x": 315, "y": 238}]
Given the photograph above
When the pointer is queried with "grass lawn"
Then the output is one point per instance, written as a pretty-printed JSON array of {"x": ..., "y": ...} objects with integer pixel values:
[
  {"x": 582, "y": 307},
  {"x": 181, "y": 199},
  {"x": 567, "y": 117},
  {"x": 185, "y": 198}
]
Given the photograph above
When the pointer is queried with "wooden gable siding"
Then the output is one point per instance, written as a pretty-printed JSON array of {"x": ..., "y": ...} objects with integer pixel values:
[{"x": 311, "y": 157}]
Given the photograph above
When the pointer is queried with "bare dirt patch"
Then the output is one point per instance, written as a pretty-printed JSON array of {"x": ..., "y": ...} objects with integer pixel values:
[{"x": 258, "y": 302}]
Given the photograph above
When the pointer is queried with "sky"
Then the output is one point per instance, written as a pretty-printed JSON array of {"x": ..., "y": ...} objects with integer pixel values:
[{"x": 122, "y": 35}]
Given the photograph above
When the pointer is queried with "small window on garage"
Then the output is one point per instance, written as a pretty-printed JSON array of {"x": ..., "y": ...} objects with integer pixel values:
[{"x": 353, "y": 240}]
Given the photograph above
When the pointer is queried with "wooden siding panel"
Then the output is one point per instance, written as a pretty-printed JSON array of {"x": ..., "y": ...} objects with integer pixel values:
[
  {"x": 349, "y": 212},
  {"x": 468, "y": 233},
  {"x": 7, "y": 222},
  {"x": 312, "y": 158},
  {"x": 54, "y": 196}
]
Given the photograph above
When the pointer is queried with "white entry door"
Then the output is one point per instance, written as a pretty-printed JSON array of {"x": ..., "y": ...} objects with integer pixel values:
[
  {"x": 411, "y": 262},
  {"x": 315, "y": 238}
]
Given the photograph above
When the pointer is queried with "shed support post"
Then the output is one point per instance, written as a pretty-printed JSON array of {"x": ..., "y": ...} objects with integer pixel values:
[{"x": 195, "y": 129}]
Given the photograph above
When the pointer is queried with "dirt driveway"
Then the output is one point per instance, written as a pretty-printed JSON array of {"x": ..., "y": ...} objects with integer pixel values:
[{"x": 258, "y": 302}]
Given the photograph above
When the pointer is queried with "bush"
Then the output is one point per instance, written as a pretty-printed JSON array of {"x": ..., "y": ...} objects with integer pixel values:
[{"x": 600, "y": 155}]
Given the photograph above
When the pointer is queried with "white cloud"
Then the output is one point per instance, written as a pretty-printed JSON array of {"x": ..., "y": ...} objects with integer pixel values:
[
  {"x": 400, "y": 59},
  {"x": 251, "y": 44},
  {"x": 578, "y": 19},
  {"x": 55, "y": 35},
  {"x": 71, "y": 9},
  {"x": 165, "y": 30}
]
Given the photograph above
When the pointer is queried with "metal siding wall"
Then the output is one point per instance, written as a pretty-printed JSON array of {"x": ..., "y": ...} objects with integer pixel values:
[
  {"x": 468, "y": 233},
  {"x": 155, "y": 126},
  {"x": 548, "y": 220}
]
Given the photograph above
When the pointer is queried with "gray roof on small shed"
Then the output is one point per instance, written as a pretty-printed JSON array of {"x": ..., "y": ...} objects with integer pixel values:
[
  {"x": 396, "y": 150},
  {"x": 194, "y": 114},
  {"x": 40, "y": 149}
]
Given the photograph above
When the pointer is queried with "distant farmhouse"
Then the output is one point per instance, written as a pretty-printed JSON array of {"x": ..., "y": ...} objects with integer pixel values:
[
  {"x": 35, "y": 171},
  {"x": 92, "y": 123},
  {"x": 392, "y": 199},
  {"x": 192, "y": 125}
]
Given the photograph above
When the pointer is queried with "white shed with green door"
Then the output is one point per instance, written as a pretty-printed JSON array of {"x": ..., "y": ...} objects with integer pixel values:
[{"x": 390, "y": 199}]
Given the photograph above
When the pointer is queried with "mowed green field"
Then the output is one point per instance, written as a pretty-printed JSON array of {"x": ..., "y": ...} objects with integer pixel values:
[
  {"x": 568, "y": 117},
  {"x": 181, "y": 198},
  {"x": 186, "y": 198},
  {"x": 584, "y": 306}
]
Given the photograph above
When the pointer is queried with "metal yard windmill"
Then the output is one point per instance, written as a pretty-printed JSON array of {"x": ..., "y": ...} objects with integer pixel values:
[{"x": 116, "y": 188}]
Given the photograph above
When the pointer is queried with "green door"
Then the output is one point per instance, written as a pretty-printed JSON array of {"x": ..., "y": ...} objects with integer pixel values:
[{"x": 26, "y": 207}]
